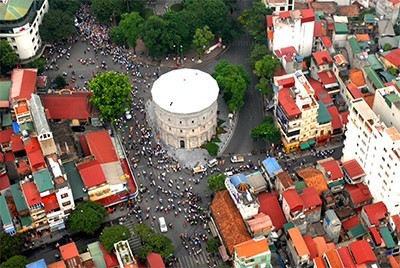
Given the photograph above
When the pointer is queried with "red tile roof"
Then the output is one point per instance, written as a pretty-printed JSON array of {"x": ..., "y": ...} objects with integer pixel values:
[
  {"x": 362, "y": 252},
  {"x": 312, "y": 247},
  {"x": 69, "y": 251},
  {"x": 286, "y": 52},
  {"x": 336, "y": 120},
  {"x": 351, "y": 222},
  {"x": 375, "y": 235},
  {"x": 5, "y": 135},
  {"x": 269, "y": 20},
  {"x": 31, "y": 193},
  {"x": 313, "y": 177},
  {"x": 394, "y": 57},
  {"x": 326, "y": 40},
  {"x": 286, "y": 82},
  {"x": 35, "y": 154},
  {"x": 396, "y": 222},
  {"x": 333, "y": 167},
  {"x": 288, "y": 103},
  {"x": 4, "y": 181},
  {"x": 344, "y": 117},
  {"x": 293, "y": 199},
  {"x": 76, "y": 105},
  {"x": 363, "y": 37},
  {"x": 353, "y": 169},
  {"x": 92, "y": 174},
  {"x": 322, "y": 57},
  {"x": 50, "y": 202},
  {"x": 346, "y": 257},
  {"x": 356, "y": 77},
  {"x": 327, "y": 77},
  {"x": 359, "y": 192},
  {"x": 155, "y": 260},
  {"x": 375, "y": 212},
  {"x": 23, "y": 83},
  {"x": 333, "y": 258},
  {"x": 16, "y": 143},
  {"x": 298, "y": 242},
  {"x": 310, "y": 197},
  {"x": 110, "y": 259},
  {"x": 101, "y": 146},
  {"x": 340, "y": 59},
  {"x": 251, "y": 248},
  {"x": 319, "y": 262},
  {"x": 284, "y": 14},
  {"x": 308, "y": 15},
  {"x": 228, "y": 220},
  {"x": 321, "y": 245},
  {"x": 318, "y": 29},
  {"x": 269, "y": 205}
]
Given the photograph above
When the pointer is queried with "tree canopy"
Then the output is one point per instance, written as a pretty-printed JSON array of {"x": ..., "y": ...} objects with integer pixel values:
[
  {"x": 160, "y": 244},
  {"x": 39, "y": 63},
  {"x": 155, "y": 37},
  {"x": 143, "y": 231},
  {"x": 213, "y": 245},
  {"x": 257, "y": 52},
  {"x": 17, "y": 261},
  {"x": 68, "y": 6},
  {"x": 217, "y": 182},
  {"x": 60, "y": 82},
  {"x": 117, "y": 36},
  {"x": 130, "y": 25},
  {"x": 233, "y": 80},
  {"x": 87, "y": 217},
  {"x": 107, "y": 11},
  {"x": 267, "y": 66},
  {"x": 111, "y": 235},
  {"x": 253, "y": 20},
  {"x": 202, "y": 38},
  {"x": 266, "y": 131},
  {"x": 8, "y": 57},
  {"x": 10, "y": 245},
  {"x": 57, "y": 25},
  {"x": 111, "y": 94}
]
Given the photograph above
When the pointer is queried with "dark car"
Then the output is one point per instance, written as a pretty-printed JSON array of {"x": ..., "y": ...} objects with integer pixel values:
[{"x": 78, "y": 129}]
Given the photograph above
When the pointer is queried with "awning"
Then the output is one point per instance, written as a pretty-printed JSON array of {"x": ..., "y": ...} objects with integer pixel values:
[
  {"x": 212, "y": 228},
  {"x": 311, "y": 142},
  {"x": 222, "y": 252},
  {"x": 304, "y": 146}
]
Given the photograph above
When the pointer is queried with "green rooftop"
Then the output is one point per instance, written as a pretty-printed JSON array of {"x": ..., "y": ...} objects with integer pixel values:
[
  {"x": 387, "y": 237},
  {"x": 369, "y": 18},
  {"x": 375, "y": 63},
  {"x": 355, "y": 47},
  {"x": 323, "y": 114},
  {"x": 391, "y": 98},
  {"x": 6, "y": 120},
  {"x": 341, "y": 28},
  {"x": 4, "y": 211},
  {"x": 26, "y": 220},
  {"x": 75, "y": 180},
  {"x": 300, "y": 185},
  {"x": 5, "y": 87},
  {"x": 14, "y": 9},
  {"x": 287, "y": 226},
  {"x": 373, "y": 77},
  {"x": 357, "y": 231},
  {"x": 18, "y": 196},
  {"x": 43, "y": 180},
  {"x": 27, "y": 126},
  {"x": 97, "y": 254}
]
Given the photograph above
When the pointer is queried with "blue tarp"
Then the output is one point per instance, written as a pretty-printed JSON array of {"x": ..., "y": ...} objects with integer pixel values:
[
  {"x": 37, "y": 264},
  {"x": 238, "y": 179},
  {"x": 16, "y": 127},
  {"x": 271, "y": 166}
]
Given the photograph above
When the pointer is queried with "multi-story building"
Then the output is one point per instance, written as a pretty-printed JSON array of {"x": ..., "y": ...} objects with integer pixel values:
[
  {"x": 279, "y": 5},
  {"x": 295, "y": 27},
  {"x": 387, "y": 106},
  {"x": 389, "y": 9},
  {"x": 20, "y": 22},
  {"x": 252, "y": 253},
  {"x": 296, "y": 110},
  {"x": 332, "y": 225},
  {"x": 377, "y": 148}
]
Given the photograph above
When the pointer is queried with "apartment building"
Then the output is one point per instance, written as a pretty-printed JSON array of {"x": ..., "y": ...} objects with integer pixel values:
[
  {"x": 376, "y": 147},
  {"x": 252, "y": 253},
  {"x": 279, "y": 5},
  {"x": 19, "y": 24},
  {"x": 388, "y": 9}
]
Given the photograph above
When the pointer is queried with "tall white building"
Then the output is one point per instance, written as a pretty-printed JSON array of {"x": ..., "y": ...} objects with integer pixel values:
[
  {"x": 19, "y": 24},
  {"x": 377, "y": 148},
  {"x": 292, "y": 28},
  {"x": 389, "y": 9},
  {"x": 279, "y": 5}
]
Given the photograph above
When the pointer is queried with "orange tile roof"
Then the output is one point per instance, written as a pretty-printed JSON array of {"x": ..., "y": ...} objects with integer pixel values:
[
  {"x": 313, "y": 177},
  {"x": 357, "y": 77},
  {"x": 321, "y": 245},
  {"x": 333, "y": 258},
  {"x": 69, "y": 251},
  {"x": 348, "y": 11},
  {"x": 252, "y": 248},
  {"x": 298, "y": 242},
  {"x": 320, "y": 263},
  {"x": 228, "y": 220},
  {"x": 363, "y": 37},
  {"x": 369, "y": 99},
  {"x": 59, "y": 264}
]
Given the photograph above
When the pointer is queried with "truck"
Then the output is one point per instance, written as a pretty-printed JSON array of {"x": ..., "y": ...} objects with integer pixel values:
[
  {"x": 237, "y": 159},
  {"x": 199, "y": 169}
]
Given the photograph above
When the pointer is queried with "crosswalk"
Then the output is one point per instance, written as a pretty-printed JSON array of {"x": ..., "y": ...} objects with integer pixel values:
[
  {"x": 199, "y": 260},
  {"x": 134, "y": 241},
  {"x": 242, "y": 43}
]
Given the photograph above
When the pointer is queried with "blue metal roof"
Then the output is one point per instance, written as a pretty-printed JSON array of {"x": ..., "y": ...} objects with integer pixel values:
[
  {"x": 271, "y": 166},
  {"x": 238, "y": 179},
  {"x": 37, "y": 264}
]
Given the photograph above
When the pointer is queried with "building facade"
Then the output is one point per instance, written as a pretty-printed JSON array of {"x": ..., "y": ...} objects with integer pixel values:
[
  {"x": 377, "y": 148},
  {"x": 185, "y": 107},
  {"x": 389, "y": 9},
  {"x": 21, "y": 28},
  {"x": 252, "y": 253},
  {"x": 279, "y": 5}
]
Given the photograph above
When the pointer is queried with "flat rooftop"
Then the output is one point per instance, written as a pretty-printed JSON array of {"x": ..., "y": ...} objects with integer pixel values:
[
  {"x": 363, "y": 109},
  {"x": 14, "y": 9}
]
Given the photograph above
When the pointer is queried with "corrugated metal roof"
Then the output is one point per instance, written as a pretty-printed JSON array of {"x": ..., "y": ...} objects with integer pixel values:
[
  {"x": 4, "y": 211},
  {"x": 43, "y": 180},
  {"x": 323, "y": 116},
  {"x": 18, "y": 196}
]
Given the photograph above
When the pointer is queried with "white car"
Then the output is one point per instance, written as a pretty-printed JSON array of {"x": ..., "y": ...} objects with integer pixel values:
[
  {"x": 128, "y": 115},
  {"x": 163, "y": 225}
]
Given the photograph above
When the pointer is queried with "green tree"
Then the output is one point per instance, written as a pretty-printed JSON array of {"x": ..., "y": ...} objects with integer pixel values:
[
  {"x": 257, "y": 52},
  {"x": 217, "y": 182},
  {"x": 153, "y": 36},
  {"x": 111, "y": 235},
  {"x": 68, "y": 6},
  {"x": 202, "y": 38},
  {"x": 143, "y": 231},
  {"x": 143, "y": 252},
  {"x": 60, "y": 82},
  {"x": 117, "y": 36},
  {"x": 17, "y": 261},
  {"x": 233, "y": 80},
  {"x": 57, "y": 25},
  {"x": 393, "y": 71},
  {"x": 8, "y": 57},
  {"x": 265, "y": 87},
  {"x": 39, "y": 64},
  {"x": 160, "y": 244},
  {"x": 137, "y": 6},
  {"x": 130, "y": 25},
  {"x": 266, "y": 131},
  {"x": 387, "y": 47},
  {"x": 254, "y": 20},
  {"x": 178, "y": 26},
  {"x": 364, "y": 12},
  {"x": 213, "y": 245},
  {"x": 267, "y": 66},
  {"x": 111, "y": 94},
  {"x": 87, "y": 217},
  {"x": 107, "y": 11},
  {"x": 10, "y": 245}
]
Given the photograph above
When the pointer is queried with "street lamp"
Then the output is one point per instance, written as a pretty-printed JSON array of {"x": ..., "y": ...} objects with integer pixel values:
[{"x": 179, "y": 53}]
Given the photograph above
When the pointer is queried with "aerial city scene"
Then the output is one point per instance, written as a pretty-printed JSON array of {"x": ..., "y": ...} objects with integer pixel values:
[{"x": 199, "y": 133}]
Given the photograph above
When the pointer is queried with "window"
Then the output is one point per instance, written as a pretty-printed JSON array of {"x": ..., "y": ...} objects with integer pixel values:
[
  {"x": 64, "y": 195},
  {"x": 192, "y": 130},
  {"x": 66, "y": 203},
  {"x": 181, "y": 130},
  {"x": 180, "y": 122},
  {"x": 282, "y": 8},
  {"x": 192, "y": 121}
]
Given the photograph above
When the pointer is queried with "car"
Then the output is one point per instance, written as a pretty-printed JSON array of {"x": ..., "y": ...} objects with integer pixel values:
[
  {"x": 199, "y": 169},
  {"x": 212, "y": 163},
  {"x": 128, "y": 115},
  {"x": 163, "y": 225},
  {"x": 237, "y": 159}
]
